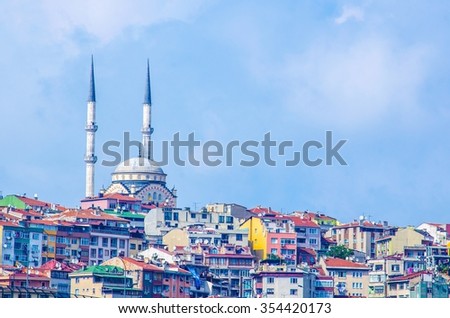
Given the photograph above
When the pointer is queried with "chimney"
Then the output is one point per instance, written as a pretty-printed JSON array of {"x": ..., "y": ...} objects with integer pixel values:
[{"x": 35, "y": 196}]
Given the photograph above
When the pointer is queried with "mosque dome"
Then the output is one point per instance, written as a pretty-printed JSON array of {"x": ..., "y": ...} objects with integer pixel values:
[
  {"x": 138, "y": 165},
  {"x": 138, "y": 170}
]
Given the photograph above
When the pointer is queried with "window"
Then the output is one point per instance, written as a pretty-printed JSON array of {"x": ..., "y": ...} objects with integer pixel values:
[
  {"x": 132, "y": 246},
  {"x": 341, "y": 274},
  {"x": 274, "y": 251},
  {"x": 94, "y": 241},
  {"x": 274, "y": 240},
  {"x": 6, "y": 257},
  {"x": 113, "y": 253},
  {"x": 357, "y": 274},
  {"x": 238, "y": 237},
  {"x": 379, "y": 289},
  {"x": 84, "y": 242},
  {"x": 293, "y": 292},
  {"x": 113, "y": 242},
  {"x": 105, "y": 241},
  {"x": 229, "y": 219},
  {"x": 378, "y": 267},
  {"x": 175, "y": 216},
  {"x": 61, "y": 240},
  {"x": 313, "y": 241},
  {"x": 395, "y": 268},
  {"x": 192, "y": 215},
  {"x": 312, "y": 231},
  {"x": 270, "y": 280},
  {"x": 167, "y": 216},
  {"x": 74, "y": 241},
  {"x": 121, "y": 243},
  {"x": 270, "y": 291},
  {"x": 204, "y": 216},
  {"x": 35, "y": 236},
  {"x": 293, "y": 280},
  {"x": 93, "y": 253},
  {"x": 221, "y": 219}
]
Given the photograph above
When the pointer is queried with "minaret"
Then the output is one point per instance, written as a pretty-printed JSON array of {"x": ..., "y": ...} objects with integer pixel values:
[
  {"x": 147, "y": 130},
  {"x": 90, "y": 159}
]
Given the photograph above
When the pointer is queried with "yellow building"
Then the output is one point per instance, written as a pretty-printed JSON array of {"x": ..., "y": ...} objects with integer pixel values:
[
  {"x": 272, "y": 236},
  {"x": 394, "y": 244}
]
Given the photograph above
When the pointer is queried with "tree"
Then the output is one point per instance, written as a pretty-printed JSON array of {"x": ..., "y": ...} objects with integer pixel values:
[{"x": 339, "y": 251}]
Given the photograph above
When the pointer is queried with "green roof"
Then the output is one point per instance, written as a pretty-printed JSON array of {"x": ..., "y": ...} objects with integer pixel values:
[
  {"x": 12, "y": 200},
  {"x": 126, "y": 214},
  {"x": 102, "y": 270}
]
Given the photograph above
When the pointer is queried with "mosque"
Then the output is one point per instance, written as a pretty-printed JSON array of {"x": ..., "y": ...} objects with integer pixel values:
[{"x": 140, "y": 177}]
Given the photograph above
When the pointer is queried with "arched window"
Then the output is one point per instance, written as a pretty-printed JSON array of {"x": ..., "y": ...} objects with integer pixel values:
[
  {"x": 159, "y": 197},
  {"x": 154, "y": 196}
]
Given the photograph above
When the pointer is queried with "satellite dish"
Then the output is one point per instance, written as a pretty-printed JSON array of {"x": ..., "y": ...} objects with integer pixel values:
[
  {"x": 206, "y": 241},
  {"x": 197, "y": 241}
]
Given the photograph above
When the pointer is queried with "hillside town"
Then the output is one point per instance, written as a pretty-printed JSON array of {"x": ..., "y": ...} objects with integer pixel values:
[
  {"x": 113, "y": 245},
  {"x": 132, "y": 240}
]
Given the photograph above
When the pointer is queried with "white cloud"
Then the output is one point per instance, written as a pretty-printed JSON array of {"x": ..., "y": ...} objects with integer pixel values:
[
  {"x": 351, "y": 85},
  {"x": 348, "y": 13},
  {"x": 59, "y": 21}
]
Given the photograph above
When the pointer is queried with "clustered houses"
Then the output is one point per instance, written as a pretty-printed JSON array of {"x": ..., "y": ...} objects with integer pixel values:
[{"x": 116, "y": 246}]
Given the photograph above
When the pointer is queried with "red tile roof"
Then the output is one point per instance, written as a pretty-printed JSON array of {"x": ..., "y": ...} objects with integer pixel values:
[
  {"x": 262, "y": 210},
  {"x": 298, "y": 221},
  {"x": 313, "y": 215},
  {"x": 7, "y": 223},
  {"x": 72, "y": 215},
  {"x": 342, "y": 263},
  {"x": 152, "y": 267},
  {"x": 142, "y": 264},
  {"x": 407, "y": 277},
  {"x": 307, "y": 250},
  {"x": 54, "y": 264},
  {"x": 33, "y": 202},
  {"x": 114, "y": 196}
]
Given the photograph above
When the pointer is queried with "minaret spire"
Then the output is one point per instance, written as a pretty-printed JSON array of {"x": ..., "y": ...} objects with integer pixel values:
[
  {"x": 91, "y": 97},
  {"x": 90, "y": 159},
  {"x": 147, "y": 130},
  {"x": 148, "y": 92}
]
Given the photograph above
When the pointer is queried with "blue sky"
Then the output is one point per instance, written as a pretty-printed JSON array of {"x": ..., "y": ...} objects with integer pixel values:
[{"x": 376, "y": 73}]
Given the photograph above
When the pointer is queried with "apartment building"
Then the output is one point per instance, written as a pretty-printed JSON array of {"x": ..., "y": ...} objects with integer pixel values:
[{"x": 350, "y": 279}]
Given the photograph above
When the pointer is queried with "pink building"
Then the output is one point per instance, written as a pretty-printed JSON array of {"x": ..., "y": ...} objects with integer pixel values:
[{"x": 112, "y": 201}]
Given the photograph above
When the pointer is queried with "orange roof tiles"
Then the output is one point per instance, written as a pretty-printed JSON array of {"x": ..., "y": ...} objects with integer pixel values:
[
  {"x": 115, "y": 196},
  {"x": 85, "y": 214},
  {"x": 342, "y": 263},
  {"x": 298, "y": 221},
  {"x": 33, "y": 202}
]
